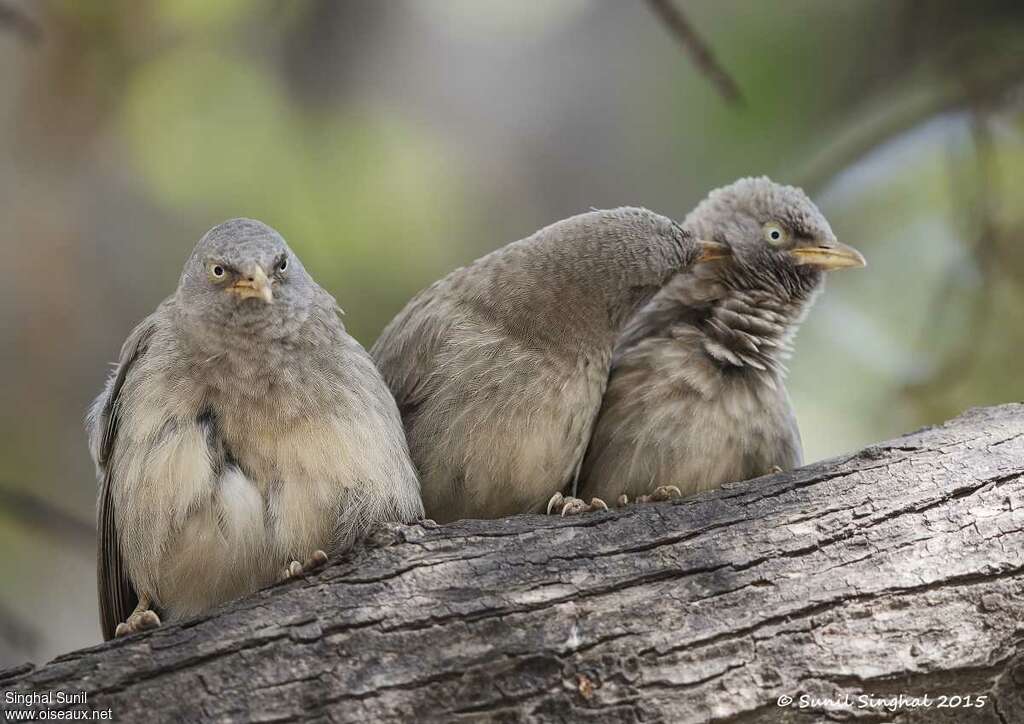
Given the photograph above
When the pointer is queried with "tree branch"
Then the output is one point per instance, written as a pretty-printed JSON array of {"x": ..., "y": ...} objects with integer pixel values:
[
  {"x": 699, "y": 51},
  {"x": 895, "y": 570},
  {"x": 898, "y": 111}
]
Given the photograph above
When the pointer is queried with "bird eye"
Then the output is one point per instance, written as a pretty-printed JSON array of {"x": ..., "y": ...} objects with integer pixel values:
[
  {"x": 775, "y": 234},
  {"x": 283, "y": 264},
  {"x": 217, "y": 271}
]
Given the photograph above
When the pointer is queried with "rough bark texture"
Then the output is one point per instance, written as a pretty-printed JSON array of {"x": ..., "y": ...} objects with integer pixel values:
[{"x": 899, "y": 569}]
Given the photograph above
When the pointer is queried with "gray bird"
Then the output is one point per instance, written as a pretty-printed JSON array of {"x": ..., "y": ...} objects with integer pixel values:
[
  {"x": 498, "y": 369},
  {"x": 243, "y": 431},
  {"x": 696, "y": 395}
]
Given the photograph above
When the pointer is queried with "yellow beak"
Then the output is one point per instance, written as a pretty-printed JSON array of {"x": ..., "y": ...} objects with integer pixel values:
[
  {"x": 254, "y": 283},
  {"x": 829, "y": 258},
  {"x": 711, "y": 250}
]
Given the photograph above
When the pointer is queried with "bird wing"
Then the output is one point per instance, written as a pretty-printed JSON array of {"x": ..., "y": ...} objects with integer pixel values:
[
  {"x": 117, "y": 595},
  {"x": 406, "y": 351}
]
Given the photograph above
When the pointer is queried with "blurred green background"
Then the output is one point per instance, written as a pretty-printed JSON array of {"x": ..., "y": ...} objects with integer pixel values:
[{"x": 392, "y": 141}]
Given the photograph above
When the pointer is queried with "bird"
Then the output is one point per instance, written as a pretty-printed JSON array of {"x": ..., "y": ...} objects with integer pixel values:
[
  {"x": 498, "y": 368},
  {"x": 696, "y": 394},
  {"x": 242, "y": 436}
]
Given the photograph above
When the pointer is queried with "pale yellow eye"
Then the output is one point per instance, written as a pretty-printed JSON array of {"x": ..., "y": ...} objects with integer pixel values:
[
  {"x": 774, "y": 234},
  {"x": 217, "y": 271}
]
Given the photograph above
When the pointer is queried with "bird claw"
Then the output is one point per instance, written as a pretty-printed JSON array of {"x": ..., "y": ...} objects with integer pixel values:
[
  {"x": 556, "y": 501},
  {"x": 138, "y": 622},
  {"x": 295, "y": 569},
  {"x": 661, "y": 493},
  {"x": 664, "y": 492},
  {"x": 567, "y": 505}
]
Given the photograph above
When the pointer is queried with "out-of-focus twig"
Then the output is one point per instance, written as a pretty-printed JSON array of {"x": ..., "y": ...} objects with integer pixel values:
[
  {"x": 17, "y": 21},
  {"x": 700, "y": 52},
  {"x": 905, "y": 107},
  {"x": 38, "y": 513}
]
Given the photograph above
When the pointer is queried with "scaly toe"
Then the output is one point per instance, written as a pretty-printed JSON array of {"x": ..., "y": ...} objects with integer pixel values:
[
  {"x": 622, "y": 501},
  {"x": 666, "y": 492},
  {"x": 556, "y": 502},
  {"x": 574, "y": 506},
  {"x": 287, "y": 574},
  {"x": 137, "y": 622},
  {"x": 296, "y": 569},
  {"x": 292, "y": 570},
  {"x": 147, "y": 620}
]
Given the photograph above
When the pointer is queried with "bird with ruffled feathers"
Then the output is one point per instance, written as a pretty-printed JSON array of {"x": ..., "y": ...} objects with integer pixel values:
[{"x": 696, "y": 394}]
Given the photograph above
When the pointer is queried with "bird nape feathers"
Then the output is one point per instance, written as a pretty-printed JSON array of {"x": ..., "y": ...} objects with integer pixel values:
[
  {"x": 498, "y": 369},
  {"x": 242, "y": 433},
  {"x": 695, "y": 396}
]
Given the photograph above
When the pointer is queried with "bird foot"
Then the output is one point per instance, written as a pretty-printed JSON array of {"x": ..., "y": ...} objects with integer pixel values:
[
  {"x": 296, "y": 569},
  {"x": 661, "y": 493},
  {"x": 139, "y": 621},
  {"x": 776, "y": 469},
  {"x": 567, "y": 505}
]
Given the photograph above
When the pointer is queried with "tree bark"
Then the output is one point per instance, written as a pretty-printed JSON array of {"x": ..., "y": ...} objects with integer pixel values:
[{"x": 895, "y": 570}]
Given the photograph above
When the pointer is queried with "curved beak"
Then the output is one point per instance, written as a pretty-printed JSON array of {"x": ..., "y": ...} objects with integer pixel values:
[
  {"x": 253, "y": 282},
  {"x": 831, "y": 257},
  {"x": 711, "y": 250}
]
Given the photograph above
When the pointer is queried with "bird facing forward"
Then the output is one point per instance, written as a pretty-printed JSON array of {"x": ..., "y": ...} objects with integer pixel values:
[
  {"x": 498, "y": 369},
  {"x": 243, "y": 431},
  {"x": 696, "y": 395}
]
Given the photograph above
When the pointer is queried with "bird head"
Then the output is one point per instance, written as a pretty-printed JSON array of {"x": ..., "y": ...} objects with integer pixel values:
[
  {"x": 242, "y": 279},
  {"x": 778, "y": 240}
]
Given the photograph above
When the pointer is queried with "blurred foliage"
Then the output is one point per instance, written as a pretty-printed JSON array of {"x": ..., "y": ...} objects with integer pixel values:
[
  {"x": 390, "y": 142},
  {"x": 344, "y": 185}
]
